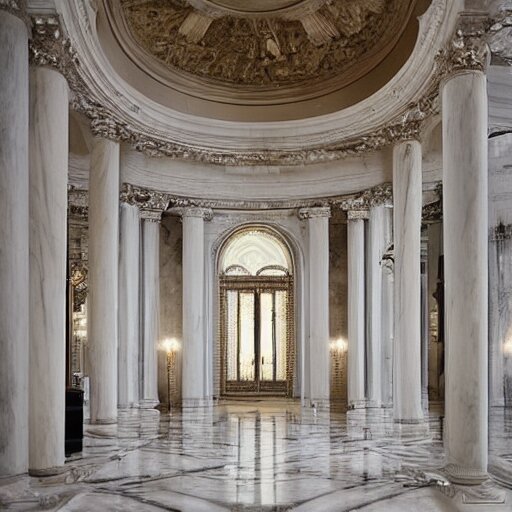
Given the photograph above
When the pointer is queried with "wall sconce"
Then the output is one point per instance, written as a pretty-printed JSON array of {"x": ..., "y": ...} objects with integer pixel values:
[
  {"x": 171, "y": 347},
  {"x": 339, "y": 346}
]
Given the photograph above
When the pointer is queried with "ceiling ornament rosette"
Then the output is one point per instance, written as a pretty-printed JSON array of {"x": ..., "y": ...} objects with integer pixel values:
[
  {"x": 117, "y": 114},
  {"x": 254, "y": 56}
]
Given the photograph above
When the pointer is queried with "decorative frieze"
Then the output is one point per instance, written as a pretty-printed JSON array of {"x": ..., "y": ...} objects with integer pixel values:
[
  {"x": 381, "y": 195},
  {"x": 358, "y": 215},
  {"x": 146, "y": 199},
  {"x": 314, "y": 213},
  {"x": 195, "y": 212}
]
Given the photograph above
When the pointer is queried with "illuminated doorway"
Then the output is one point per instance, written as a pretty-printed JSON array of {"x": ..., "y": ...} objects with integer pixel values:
[{"x": 256, "y": 302}]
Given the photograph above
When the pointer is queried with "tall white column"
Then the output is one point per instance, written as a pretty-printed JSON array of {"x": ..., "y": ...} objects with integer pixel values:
[
  {"x": 14, "y": 255},
  {"x": 319, "y": 354},
  {"x": 103, "y": 280},
  {"x": 356, "y": 309},
  {"x": 150, "y": 306},
  {"x": 376, "y": 247},
  {"x": 387, "y": 331},
  {"x": 407, "y": 196},
  {"x": 48, "y": 177},
  {"x": 194, "y": 332},
  {"x": 464, "y": 101},
  {"x": 129, "y": 299}
]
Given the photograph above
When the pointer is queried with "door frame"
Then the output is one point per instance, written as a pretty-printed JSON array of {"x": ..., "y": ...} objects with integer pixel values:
[{"x": 257, "y": 284}]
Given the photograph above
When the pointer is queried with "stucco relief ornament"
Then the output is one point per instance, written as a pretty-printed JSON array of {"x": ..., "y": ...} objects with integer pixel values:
[
  {"x": 380, "y": 195},
  {"x": 146, "y": 199}
]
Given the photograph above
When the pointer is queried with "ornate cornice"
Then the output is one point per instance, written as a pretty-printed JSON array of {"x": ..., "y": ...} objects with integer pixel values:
[
  {"x": 145, "y": 199},
  {"x": 315, "y": 212},
  {"x": 358, "y": 215},
  {"x": 78, "y": 202},
  {"x": 381, "y": 195},
  {"x": 17, "y": 8}
]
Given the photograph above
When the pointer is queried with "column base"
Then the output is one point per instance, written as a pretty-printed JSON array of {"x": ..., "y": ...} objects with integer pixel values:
[
  {"x": 56, "y": 470},
  {"x": 357, "y": 404},
  {"x": 465, "y": 476},
  {"x": 190, "y": 403},
  {"x": 148, "y": 403}
]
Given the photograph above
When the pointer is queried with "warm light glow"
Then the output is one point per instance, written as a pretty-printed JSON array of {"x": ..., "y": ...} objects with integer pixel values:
[
  {"x": 507, "y": 347},
  {"x": 339, "y": 345},
  {"x": 170, "y": 345}
]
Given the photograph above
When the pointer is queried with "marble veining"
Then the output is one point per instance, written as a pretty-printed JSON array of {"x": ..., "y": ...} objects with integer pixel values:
[{"x": 265, "y": 455}]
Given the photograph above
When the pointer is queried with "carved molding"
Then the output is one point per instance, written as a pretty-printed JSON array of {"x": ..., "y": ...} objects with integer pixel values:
[
  {"x": 145, "y": 199},
  {"x": 194, "y": 212},
  {"x": 315, "y": 212}
]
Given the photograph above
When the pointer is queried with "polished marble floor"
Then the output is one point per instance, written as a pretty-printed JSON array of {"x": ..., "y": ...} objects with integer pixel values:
[{"x": 266, "y": 455}]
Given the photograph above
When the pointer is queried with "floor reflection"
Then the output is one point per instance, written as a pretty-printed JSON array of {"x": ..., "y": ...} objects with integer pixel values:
[{"x": 266, "y": 455}]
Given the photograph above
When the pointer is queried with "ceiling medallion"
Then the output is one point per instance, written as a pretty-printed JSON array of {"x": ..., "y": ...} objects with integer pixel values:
[{"x": 264, "y": 45}]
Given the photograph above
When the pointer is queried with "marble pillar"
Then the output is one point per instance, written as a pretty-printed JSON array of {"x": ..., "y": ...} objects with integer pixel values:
[
  {"x": 319, "y": 354},
  {"x": 424, "y": 324},
  {"x": 103, "y": 280},
  {"x": 356, "y": 310},
  {"x": 14, "y": 256},
  {"x": 407, "y": 197},
  {"x": 376, "y": 247},
  {"x": 150, "y": 306},
  {"x": 387, "y": 331},
  {"x": 48, "y": 177},
  {"x": 194, "y": 330},
  {"x": 465, "y": 221},
  {"x": 129, "y": 318}
]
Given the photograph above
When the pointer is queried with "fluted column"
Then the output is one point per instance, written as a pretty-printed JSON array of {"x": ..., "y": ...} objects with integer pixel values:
[
  {"x": 48, "y": 176},
  {"x": 465, "y": 203},
  {"x": 376, "y": 247},
  {"x": 319, "y": 355},
  {"x": 356, "y": 309},
  {"x": 407, "y": 195},
  {"x": 129, "y": 299},
  {"x": 150, "y": 305},
  {"x": 103, "y": 280},
  {"x": 14, "y": 255},
  {"x": 194, "y": 331}
]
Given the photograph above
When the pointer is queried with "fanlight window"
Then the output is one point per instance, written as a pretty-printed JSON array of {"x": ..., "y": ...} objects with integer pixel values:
[{"x": 255, "y": 253}]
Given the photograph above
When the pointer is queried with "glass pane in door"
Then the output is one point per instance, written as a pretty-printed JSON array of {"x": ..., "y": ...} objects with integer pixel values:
[
  {"x": 246, "y": 355},
  {"x": 266, "y": 337}
]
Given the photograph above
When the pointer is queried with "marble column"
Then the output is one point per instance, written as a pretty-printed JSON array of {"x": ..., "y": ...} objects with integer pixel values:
[
  {"x": 387, "y": 330},
  {"x": 48, "y": 176},
  {"x": 319, "y": 354},
  {"x": 150, "y": 306},
  {"x": 376, "y": 247},
  {"x": 407, "y": 197},
  {"x": 194, "y": 331},
  {"x": 103, "y": 280},
  {"x": 14, "y": 256},
  {"x": 424, "y": 324},
  {"x": 356, "y": 309},
  {"x": 129, "y": 299},
  {"x": 465, "y": 223}
]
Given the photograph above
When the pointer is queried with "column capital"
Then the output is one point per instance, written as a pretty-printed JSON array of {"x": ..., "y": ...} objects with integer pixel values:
[
  {"x": 315, "y": 212},
  {"x": 151, "y": 203},
  {"x": 358, "y": 214},
  {"x": 48, "y": 46},
  {"x": 17, "y": 8},
  {"x": 195, "y": 212},
  {"x": 467, "y": 51}
]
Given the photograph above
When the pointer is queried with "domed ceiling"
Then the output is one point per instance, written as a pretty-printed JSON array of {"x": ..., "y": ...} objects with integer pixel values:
[{"x": 259, "y": 52}]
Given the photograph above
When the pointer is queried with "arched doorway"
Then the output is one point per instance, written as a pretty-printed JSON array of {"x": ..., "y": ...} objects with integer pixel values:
[{"x": 257, "y": 341}]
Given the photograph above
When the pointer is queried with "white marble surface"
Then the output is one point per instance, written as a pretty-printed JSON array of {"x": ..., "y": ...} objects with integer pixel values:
[
  {"x": 465, "y": 204},
  {"x": 407, "y": 198},
  {"x": 194, "y": 349},
  {"x": 129, "y": 276},
  {"x": 376, "y": 248},
  {"x": 103, "y": 280},
  {"x": 319, "y": 355},
  {"x": 150, "y": 310},
  {"x": 265, "y": 456},
  {"x": 48, "y": 164},
  {"x": 14, "y": 256},
  {"x": 356, "y": 314}
]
